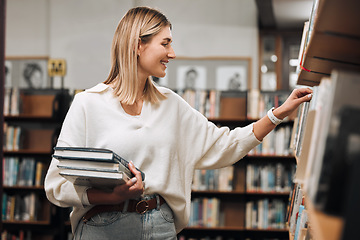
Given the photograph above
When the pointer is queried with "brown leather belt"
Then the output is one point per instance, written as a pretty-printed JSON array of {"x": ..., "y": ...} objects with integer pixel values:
[{"x": 140, "y": 207}]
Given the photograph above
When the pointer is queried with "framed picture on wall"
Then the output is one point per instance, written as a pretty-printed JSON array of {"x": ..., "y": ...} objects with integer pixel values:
[
  {"x": 27, "y": 72},
  {"x": 232, "y": 78},
  {"x": 209, "y": 73},
  {"x": 191, "y": 77}
]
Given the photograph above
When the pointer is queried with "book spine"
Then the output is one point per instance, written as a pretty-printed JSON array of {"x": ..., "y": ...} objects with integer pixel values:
[{"x": 125, "y": 164}]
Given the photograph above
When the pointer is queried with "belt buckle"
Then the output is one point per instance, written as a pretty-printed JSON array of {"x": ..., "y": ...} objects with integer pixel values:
[{"x": 146, "y": 207}]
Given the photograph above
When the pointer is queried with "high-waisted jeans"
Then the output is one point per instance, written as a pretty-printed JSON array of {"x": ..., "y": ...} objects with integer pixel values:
[{"x": 156, "y": 224}]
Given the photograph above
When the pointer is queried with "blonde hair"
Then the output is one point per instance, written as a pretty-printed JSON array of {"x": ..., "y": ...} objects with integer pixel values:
[{"x": 138, "y": 23}]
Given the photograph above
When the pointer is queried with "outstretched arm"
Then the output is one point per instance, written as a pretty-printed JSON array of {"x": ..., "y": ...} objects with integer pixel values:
[{"x": 263, "y": 126}]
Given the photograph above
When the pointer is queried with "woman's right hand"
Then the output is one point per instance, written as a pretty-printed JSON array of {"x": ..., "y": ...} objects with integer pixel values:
[{"x": 130, "y": 190}]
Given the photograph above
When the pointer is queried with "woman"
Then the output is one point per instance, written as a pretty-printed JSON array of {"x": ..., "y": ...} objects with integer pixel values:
[{"x": 155, "y": 129}]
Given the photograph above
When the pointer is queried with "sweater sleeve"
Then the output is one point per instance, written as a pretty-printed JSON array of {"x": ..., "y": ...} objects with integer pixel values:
[
  {"x": 58, "y": 190},
  {"x": 209, "y": 146}
]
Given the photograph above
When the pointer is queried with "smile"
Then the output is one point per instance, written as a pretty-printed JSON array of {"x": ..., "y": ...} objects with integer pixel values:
[{"x": 164, "y": 63}]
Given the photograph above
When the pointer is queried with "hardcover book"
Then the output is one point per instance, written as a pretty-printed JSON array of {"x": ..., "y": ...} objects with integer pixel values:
[
  {"x": 96, "y": 179},
  {"x": 94, "y": 159}
]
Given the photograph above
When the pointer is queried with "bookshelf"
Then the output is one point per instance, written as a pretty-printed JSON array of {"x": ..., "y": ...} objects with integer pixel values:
[
  {"x": 228, "y": 205},
  {"x": 333, "y": 41},
  {"x": 32, "y": 121},
  {"x": 232, "y": 222},
  {"x": 330, "y": 63}
]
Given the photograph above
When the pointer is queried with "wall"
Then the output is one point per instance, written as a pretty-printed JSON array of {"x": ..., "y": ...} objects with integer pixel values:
[
  {"x": 81, "y": 31},
  {"x": 27, "y": 28}
]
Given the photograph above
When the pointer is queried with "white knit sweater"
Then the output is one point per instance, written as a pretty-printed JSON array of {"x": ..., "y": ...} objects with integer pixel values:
[{"x": 166, "y": 141}]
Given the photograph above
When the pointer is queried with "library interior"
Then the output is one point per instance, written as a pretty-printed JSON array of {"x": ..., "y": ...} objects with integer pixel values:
[{"x": 235, "y": 61}]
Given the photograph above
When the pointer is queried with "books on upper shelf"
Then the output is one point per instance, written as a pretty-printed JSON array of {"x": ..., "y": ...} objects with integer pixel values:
[
  {"x": 206, "y": 102},
  {"x": 302, "y": 46},
  {"x": 277, "y": 142},
  {"x": 51, "y": 103},
  {"x": 306, "y": 36},
  {"x": 252, "y": 104},
  {"x": 97, "y": 167},
  {"x": 12, "y": 101}
]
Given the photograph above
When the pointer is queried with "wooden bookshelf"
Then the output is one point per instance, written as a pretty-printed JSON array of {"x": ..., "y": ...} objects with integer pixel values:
[
  {"x": 232, "y": 219},
  {"x": 39, "y": 118},
  {"x": 232, "y": 203},
  {"x": 334, "y": 44}
]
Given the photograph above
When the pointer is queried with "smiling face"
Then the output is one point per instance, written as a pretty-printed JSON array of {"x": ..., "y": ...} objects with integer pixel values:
[{"x": 154, "y": 55}]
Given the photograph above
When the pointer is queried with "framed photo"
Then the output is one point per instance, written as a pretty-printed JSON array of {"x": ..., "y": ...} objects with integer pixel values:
[
  {"x": 27, "y": 72},
  {"x": 191, "y": 77},
  {"x": 232, "y": 78},
  {"x": 211, "y": 73}
]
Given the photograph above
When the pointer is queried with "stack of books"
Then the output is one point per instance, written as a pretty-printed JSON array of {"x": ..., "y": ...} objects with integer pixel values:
[{"x": 94, "y": 167}]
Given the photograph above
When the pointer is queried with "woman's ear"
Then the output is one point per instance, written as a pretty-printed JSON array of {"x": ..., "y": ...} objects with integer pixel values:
[{"x": 139, "y": 47}]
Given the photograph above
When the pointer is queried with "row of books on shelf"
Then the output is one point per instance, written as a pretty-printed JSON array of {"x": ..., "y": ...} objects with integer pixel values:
[
  {"x": 20, "y": 207},
  {"x": 259, "y": 214},
  {"x": 211, "y": 103},
  {"x": 205, "y": 212},
  {"x": 50, "y": 103},
  {"x": 206, "y": 102},
  {"x": 213, "y": 179},
  {"x": 326, "y": 141},
  {"x": 260, "y": 102},
  {"x": 12, "y": 101},
  {"x": 23, "y": 137},
  {"x": 25, "y": 171},
  {"x": 265, "y": 214},
  {"x": 12, "y": 137},
  {"x": 277, "y": 142},
  {"x": 297, "y": 215},
  {"x": 306, "y": 36},
  {"x": 269, "y": 177}
]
